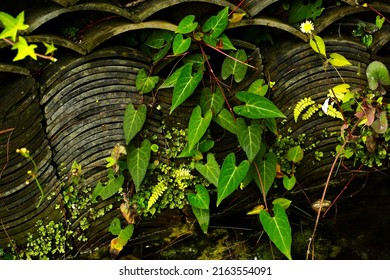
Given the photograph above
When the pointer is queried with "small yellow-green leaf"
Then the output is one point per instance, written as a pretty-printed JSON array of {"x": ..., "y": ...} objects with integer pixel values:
[
  {"x": 342, "y": 88},
  {"x": 236, "y": 17},
  {"x": 50, "y": 48},
  {"x": 340, "y": 91},
  {"x": 284, "y": 202},
  {"x": 289, "y": 182},
  {"x": 24, "y": 49},
  {"x": 256, "y": 210},
  {"x": 379, "y": 21},
  {"x": 338, "y": 60},
  {"x": 258, "y": 87},
  {"x": 12, "y": 25},
  {"x": 295, "y": 154},
  {"x": 115, "y": 227},
  {"x": 318, "y": 45}
]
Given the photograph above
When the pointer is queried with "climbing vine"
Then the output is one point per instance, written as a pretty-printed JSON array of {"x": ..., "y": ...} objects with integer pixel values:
[
  {"x": 248, "y": 117},
  {"x": 10, "y": 34}
]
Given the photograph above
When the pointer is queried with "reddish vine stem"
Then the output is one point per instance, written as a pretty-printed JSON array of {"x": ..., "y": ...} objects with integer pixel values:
[
  {"x": 311, "y": 240},
  {"x": 217, "y": 81},
  {"x": 262, "y": 185},
  {"x": 233, "y": 58},
  {"x": 376, "y": 11},
  {"x": 342, "y": 191}
]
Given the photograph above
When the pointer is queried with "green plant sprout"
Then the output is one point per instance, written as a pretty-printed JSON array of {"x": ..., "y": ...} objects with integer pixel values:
[
  {"x": 365, "y": 30},
  {"x": 32, "y": 173}
]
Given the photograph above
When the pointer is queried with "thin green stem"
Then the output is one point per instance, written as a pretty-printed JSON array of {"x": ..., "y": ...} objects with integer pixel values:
[{"x": 37, "y": 181}]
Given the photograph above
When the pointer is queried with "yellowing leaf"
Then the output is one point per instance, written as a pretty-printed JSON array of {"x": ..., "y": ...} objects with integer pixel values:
[
  {"x": 337, "y": 60},
  {"x": 124, "y": 236},
  {"x": 318, "y": 45},
  {"x": 343, "y": 88},
  {"x": 12, "y": 25},
  {"x": 24, "y": 49},
  {"x": 340, "y": 92},
  {"x": 50, "y": 48},
  {"x": 256, "y": 210},
  {"x": 115, "y": 247},
  {"x": 236, "y": 17},
  {"x": 128, "y": 213}
]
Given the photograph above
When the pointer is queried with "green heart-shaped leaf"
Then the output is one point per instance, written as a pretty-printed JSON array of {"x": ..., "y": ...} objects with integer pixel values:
[
  {"x": 226, "y": 120},
  {"x": 289, "y": 182},
  {"x": 211, "y": 101},
  {"x": 198, "y": 126},
  {"x": 231, "y": 176},
  {"x": 133, "y": 121},
  {"x": 256, "y": 107},
  {"x": 138, "y": 161},
  {"x": 295, "y": 154},
  {"x": 210, "y": 170},
  {"x": 201, "y": 199},
  {"x": 249, "y": 137},
  {"x": 278, "y": 229},
  {"x": 265, "y": 172},
  {"x": 145, "y": 83},
  {"x": 234, "y": 66},
  {"x": 180, "y": 45},
  {"x": 203, "y": 218},
  {"x": 377, "y": 73},
  {"x": 185, "y": 86},
  {"x": 217, "y": 24},
  {"x": 187, "y": 25},
  {"x": 107, "y": 191}
]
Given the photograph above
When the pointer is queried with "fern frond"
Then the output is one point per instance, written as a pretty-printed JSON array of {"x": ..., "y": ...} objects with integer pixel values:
[
  {"x": 312, "y": 109},
  {"x": 181, "y": 176},
  {"x": 301, "y": 106},
  {"x": 334, "y": 113},
  {"x": 157, "y": 191}
]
